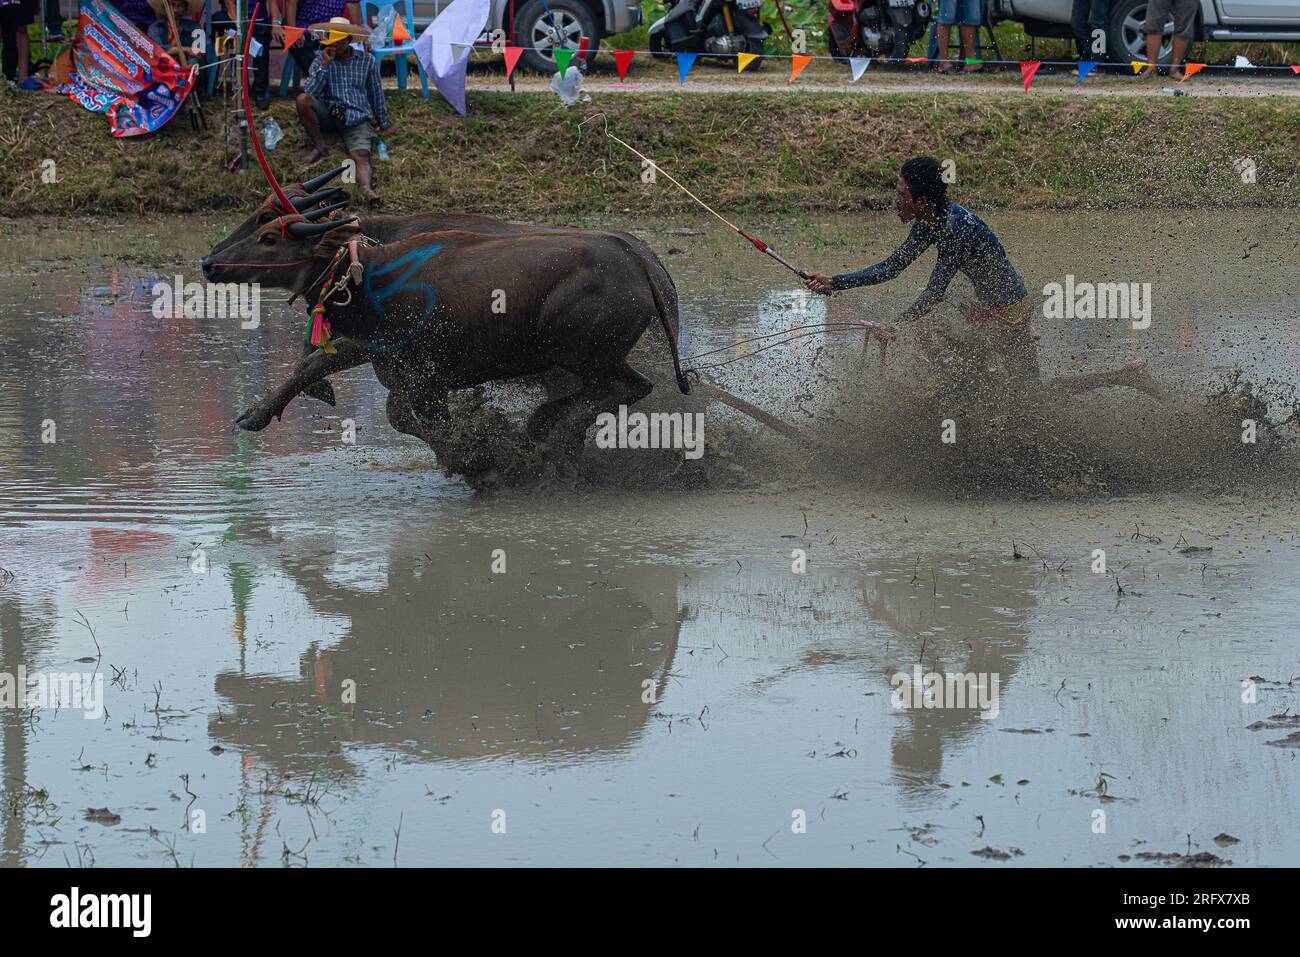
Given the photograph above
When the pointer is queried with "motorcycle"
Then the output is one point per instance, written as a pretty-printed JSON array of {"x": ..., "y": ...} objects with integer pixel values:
[
  {"x": 875, "y": 28},
  {"x": 725, "y": 27}
]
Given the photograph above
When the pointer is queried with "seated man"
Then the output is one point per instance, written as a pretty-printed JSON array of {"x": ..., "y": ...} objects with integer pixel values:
[
  {"x": 341, "y": 96},
  {"x": 185, "y": 36}
]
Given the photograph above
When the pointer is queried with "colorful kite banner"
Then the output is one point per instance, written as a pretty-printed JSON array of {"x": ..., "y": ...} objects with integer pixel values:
[
  {"x": 444, "y": 45},
  {"x": 117, "y": 70}
]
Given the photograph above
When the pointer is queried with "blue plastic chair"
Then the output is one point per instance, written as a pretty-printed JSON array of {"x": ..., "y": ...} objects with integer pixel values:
[
  {"x": 398, "y": 51},
  {"x": 290, "y": 76}
]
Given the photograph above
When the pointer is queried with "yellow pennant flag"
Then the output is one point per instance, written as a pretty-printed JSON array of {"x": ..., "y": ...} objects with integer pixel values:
[
  {"x": 797, "y": 64},
  {"x": 1138, "y": 65},
  {"x": 1191, "y": 69},
  {"x": 743, "y": 60}
]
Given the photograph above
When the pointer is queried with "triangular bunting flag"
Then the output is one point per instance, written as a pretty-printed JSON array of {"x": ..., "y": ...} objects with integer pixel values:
[
  {"x": 1191, "y": 69},
  {"x": 858, "y": 64},
  {"x": 916, "y": 59},
  {"x": 1295, "y": 69},
  {"x": 623, "y": 60},
  {"x": 684, "y": 63},
  {"x": 292, "y": 35},
  {"x": 1138, "y": 65},
  {"x": 1027, "y": 70},
  {"x": 743, "y": 60},
  {"x": 399, "y": 32},
  {"x": 797, "y": 64},
  {"x": 512, "y": 57},
  {"x": 1086, "y": 67},
  {"x": 562, "y": 58}
]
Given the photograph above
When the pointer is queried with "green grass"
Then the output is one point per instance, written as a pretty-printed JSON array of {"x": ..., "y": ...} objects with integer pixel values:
[{"x": 785, "y": 152}]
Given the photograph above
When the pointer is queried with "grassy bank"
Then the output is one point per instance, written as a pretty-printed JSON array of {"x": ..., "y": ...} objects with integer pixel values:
[{"x": 518, "y": 155}]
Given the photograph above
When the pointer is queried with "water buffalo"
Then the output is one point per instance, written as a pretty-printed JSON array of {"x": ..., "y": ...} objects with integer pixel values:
[
  {"x": 385, "y": 229},
  {"x": 454, "y": 309}
]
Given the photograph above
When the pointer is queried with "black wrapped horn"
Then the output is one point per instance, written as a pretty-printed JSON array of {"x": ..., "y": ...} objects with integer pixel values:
[
  {"x": 314, "y": 184},
  {"x": 313, "y": 215},
  {"x": 316, "y": 199},
  {"x": 300, "y": 230}
]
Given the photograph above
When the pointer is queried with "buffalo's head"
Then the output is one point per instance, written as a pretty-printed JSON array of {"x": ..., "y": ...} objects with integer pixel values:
[
  {"x": 303, "y": 197},
  {"x": 289, "y": 252}
]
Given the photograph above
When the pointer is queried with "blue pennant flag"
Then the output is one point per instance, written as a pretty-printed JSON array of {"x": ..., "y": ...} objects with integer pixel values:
[
  {"x": 684, "y": 63},
  {"x": 1086, "y": 67}
]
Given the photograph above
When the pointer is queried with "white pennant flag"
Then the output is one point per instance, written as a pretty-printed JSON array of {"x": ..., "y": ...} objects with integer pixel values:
[
  {"x": 859, "y": 65},
  {"x": 254, "y": 48}
]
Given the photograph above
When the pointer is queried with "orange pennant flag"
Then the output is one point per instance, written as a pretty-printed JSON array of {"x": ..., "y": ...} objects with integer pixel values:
[
  {"x": 292, "y": 35},
  {"x": 1027, "y": 70},
  {"x": 1191, "y": 69},
  {"x": 512, "y": 57},
  {"x": 797, "y": 64},
  {"x": 399, "y": 31}
]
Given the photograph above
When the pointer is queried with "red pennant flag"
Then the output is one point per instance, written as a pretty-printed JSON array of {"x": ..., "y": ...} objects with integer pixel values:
[
  {"x": 916, "y": 59},
  {"x": 292, "y": 35},
  {"x": 1295, "y": 69},
  {"x": 512, "y": 57},
  {"x": 583, "y": 43},
  {"x": 797, "y": 64},
  {"x": 1027, "y": 70},
  {"x": 623, "y": 60}
]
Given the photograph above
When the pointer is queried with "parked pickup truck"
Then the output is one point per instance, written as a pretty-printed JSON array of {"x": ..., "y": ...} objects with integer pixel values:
[
  {"x": 1242, "y": 20},
  {"x": 571, "y": 19}
]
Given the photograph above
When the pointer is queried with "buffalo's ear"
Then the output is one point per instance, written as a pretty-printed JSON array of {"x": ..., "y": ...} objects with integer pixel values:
[{"x": 340, "y": 235}]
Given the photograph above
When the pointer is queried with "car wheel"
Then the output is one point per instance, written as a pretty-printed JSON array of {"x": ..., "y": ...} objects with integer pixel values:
[
  {"x": 539, "y": 32},
  {"x": 1126, "y": 40}
]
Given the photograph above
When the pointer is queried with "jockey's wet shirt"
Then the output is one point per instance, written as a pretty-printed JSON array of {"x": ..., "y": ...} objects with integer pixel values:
[{"x": 965, "y": 244}]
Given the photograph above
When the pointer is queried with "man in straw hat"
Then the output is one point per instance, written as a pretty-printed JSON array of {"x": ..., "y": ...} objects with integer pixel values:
[
  {"x": 342, "y": 94},
  {"x": 185, "y": 35}
]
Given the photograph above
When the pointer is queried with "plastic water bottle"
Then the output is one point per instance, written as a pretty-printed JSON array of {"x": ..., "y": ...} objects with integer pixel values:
[
  {"x": 1170, "y": 91},
  {"x": 273, "y": 133},
  {"x": 382, "y": 151}
]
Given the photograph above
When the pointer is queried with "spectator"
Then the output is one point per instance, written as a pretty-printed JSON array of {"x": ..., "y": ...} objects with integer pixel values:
[
  {"x": 185, "y": 37},
  {"x": 139, "y": 12},
  {"x": 54, "y": 21},
  {"x": 1086, "y": 17},
  {"x": 341, "y": 95},
  {"x": 15, "y": 15},
  {"x": 1158, "y": 13},
  {"x": 304, "y": 13},
  {"x": 966, "y": 14},
  {"x": 259, "y": 71}
]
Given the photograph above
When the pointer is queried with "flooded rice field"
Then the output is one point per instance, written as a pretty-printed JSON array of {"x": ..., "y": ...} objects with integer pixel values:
[{"x": 301, "y": 650}]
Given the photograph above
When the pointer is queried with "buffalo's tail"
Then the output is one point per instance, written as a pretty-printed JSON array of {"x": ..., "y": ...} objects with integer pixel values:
[{"x": 666, "y": 311}]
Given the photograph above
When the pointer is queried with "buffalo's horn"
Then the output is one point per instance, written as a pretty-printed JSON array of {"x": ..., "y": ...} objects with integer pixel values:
[
  {"x": 314, "y": 184},
  {"x": 316, "y": 199},
  {"x": 313, "y": 215},
  {"x": 300, "y": 230}
]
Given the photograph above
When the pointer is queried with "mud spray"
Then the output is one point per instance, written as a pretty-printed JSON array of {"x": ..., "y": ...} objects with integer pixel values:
[{"x": 861, "y": 423}]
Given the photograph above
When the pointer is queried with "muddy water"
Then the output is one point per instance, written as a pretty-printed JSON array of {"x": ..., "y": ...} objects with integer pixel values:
[{"x": 307, "y": 657}]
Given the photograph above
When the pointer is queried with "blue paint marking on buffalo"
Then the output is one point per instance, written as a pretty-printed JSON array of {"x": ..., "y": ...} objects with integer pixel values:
[{"x": 413, "y": 262}]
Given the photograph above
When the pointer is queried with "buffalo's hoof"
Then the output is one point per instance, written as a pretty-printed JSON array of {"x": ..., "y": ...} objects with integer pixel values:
[
  {"x": 321, "y": 391},
  {"x": 254, "y": 420}
]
